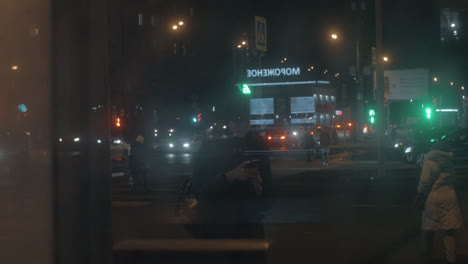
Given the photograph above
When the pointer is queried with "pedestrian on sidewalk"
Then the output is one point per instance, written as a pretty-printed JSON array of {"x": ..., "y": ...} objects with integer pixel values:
[
  {"x": 441, "y": 211},
  {"x": 325, "y": 142},
  {"x": 309, "y": 145},
  {"x": 138, "y": 164}
]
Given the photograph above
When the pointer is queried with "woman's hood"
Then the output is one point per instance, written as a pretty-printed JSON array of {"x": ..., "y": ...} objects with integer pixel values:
[{"x": 437, "y": 154}]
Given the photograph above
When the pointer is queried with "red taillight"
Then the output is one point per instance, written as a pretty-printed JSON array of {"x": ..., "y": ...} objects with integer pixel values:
[
  {"x": 118, "y": 158},
  {"x": 312, "y": 132}
]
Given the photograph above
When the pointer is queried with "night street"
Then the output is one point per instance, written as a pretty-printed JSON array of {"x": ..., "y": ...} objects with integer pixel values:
[
  {"x": 233, "y": 132},
  {"x": 342, "y": 213}
]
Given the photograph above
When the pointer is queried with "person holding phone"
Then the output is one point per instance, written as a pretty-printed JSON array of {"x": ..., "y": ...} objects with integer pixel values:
[{"x": 233, "y": 189}]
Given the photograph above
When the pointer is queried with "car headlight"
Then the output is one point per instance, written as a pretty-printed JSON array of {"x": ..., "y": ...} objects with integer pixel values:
[
  {"x": 186, "y": 145},
  {"x": 396, "y": 145},
  {"x": 117, "y": 141},
  {"x": 295, "y": 133},
  {"x": 408, "y": 150},
  {"x": 76, "y": 139},
  {"x": 99, "y": 141},
  {"x": 171, "y": 145}
]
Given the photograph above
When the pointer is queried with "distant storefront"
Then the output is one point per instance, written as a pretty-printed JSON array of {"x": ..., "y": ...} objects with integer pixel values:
[{"x": 281, "y": 97}]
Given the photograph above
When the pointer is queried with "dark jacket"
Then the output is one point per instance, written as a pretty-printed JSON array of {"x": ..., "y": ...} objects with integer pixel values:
[
  {"x": 138, "y": 156},
  {"x": 221, "y": 202},
  {"x": 325, "y": 139},
  {"x": 309, "y": 141}
]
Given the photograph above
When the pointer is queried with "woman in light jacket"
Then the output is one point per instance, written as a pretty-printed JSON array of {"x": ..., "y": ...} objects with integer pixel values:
[{"x": 441, "y": 212}]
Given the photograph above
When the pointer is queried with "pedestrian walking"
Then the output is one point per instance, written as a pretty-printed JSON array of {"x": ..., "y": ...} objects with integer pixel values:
[
  {"x": 138, "y": 164},
  {"x": 325, "y": 142},
  {"x": 441, "y": 212},
  {"x": 309, "y": 145}
]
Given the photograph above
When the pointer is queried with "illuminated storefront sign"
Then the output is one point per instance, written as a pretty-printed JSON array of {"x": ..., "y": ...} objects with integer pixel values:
[{"x": 273, "y": 72}]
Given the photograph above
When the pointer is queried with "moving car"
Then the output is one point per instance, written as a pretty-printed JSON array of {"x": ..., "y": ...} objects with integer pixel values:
[
  {"x": 180, "y": 143},
  {"x": 457, "y": 140},
  {"x": 277, "y": 138}
]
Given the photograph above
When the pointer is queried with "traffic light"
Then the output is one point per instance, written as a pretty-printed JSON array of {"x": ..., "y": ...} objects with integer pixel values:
[
  {"x": 194, "y": 120},
  {"x": 372, "y": 116},
  {"x": 244, "y": 88},
  {"x": 199, "y": 117},
  {"x": 428, "y": 112}
]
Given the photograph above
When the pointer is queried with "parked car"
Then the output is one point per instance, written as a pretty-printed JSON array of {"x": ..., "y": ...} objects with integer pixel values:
[{"x": 120, "y": 155}]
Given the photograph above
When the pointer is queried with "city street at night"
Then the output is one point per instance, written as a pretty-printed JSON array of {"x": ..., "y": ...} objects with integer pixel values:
[
  {"x": 233, "y": 132},
  {"x": 317, "y": 211}
]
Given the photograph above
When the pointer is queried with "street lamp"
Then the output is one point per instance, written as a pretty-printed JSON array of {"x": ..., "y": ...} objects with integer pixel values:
[
  {"x": 435, "y": 79},
  {"x": 14, "y": 67},
  {"x": 385, "y": 59},
  {"x": 181, "y": 23},
  {"x": 244, "y": 43},
  {"x": 453, "y": 25},
  {"x": 175, "y": 27},
  {"x": 334, "y": 36},
  {"x": 239, "y": 46},
  {"x": 451, "y": 83},
  {"x": 463, "y": 88}
]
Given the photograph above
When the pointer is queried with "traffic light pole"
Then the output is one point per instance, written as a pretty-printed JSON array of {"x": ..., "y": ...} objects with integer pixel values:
[
  {"x": 360, "y": 93},
  {"x": 379, "y": 93}
]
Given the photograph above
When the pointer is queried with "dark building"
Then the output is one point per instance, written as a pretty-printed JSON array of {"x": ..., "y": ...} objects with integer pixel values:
[{"x": 150, "y": 47}]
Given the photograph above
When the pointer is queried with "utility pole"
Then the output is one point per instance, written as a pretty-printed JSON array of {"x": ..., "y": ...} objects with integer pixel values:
[
  {"x": 360, "y": 93},
  {"x": 379, "y": 93},
  {"x": 359, "y": 6}
]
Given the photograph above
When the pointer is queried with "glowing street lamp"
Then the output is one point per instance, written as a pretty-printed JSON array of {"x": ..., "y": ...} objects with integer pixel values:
[
  {"x": 181, "y": 23},
  {"x": 385, "y": 59},
  {"x": 334, "y": 36},
  {"x": 435, "y": 79},
  {"x": 14, "y": 67},
  {"x": 175, "y": 27}
]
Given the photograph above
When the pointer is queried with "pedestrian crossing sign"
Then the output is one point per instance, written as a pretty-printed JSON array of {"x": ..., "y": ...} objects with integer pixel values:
[{"x": 260, "y": 34}]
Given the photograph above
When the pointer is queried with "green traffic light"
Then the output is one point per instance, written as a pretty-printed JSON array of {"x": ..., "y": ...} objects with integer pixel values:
[
  {"x": 428, "y": 113},
  {"x": 246, "y": 89},
  {"x": 194, "y": 120},
  {"x": 372, "y": 116}
]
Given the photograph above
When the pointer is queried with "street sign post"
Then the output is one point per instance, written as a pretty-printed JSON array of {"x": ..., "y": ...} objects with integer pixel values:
[{"x": 260, "y": 34}]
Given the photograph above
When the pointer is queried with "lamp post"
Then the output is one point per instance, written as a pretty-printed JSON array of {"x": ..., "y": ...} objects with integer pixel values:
[{"x": 360, "y": 88}]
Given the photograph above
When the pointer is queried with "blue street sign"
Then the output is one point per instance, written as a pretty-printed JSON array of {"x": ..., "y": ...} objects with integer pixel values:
[{"x": 260, "y": 34}]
